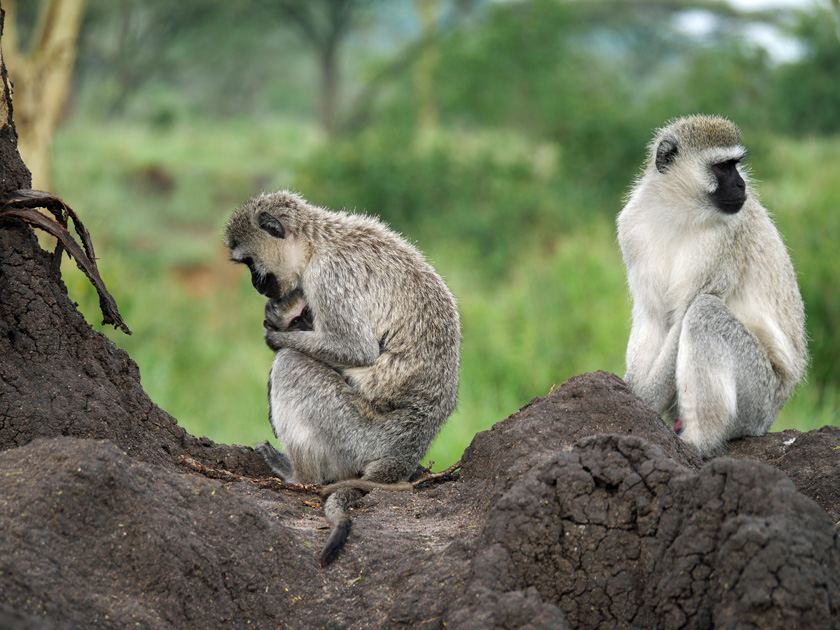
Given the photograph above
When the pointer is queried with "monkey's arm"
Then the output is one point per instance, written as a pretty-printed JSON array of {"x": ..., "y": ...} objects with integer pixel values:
[
  {"x": 651, "y": 364},
  {"x": 342, "y": 334},
  {"x": 333, "y": 349},
  {"x": 340, "y": 338}
]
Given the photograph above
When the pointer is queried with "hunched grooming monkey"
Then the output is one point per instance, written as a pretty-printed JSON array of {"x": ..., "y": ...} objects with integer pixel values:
[
  {"x": 365, "y": 391},
  {"x": 718, "y": 334}
]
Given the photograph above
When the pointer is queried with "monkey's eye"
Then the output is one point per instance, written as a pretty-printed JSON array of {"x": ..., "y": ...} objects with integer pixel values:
[
  {"x": 722, "y": 167},
  {"x": 244, "y": 261}
]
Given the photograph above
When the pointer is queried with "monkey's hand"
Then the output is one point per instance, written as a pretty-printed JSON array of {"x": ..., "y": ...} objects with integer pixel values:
[
  {"x": 277, "y": 338},
  {"x": 274, "y": 320},
  {"x": 332, "y": 349},
  {"x": 273, "y": 337},
  {"x": 275, "y": 324}
]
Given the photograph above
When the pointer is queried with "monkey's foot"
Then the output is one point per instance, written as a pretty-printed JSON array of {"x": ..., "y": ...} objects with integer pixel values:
[{"x": 678, "y": 427}]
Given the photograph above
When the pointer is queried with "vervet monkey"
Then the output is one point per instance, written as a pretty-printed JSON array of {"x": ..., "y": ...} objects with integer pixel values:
[
  {"x": 718, "y": 334},
  {"x": 365, "y": 391},
  {"x": 291, "y": 312}
]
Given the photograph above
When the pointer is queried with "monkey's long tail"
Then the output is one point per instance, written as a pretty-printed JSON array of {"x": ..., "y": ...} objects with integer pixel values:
[{"x": 335, "y": 510}]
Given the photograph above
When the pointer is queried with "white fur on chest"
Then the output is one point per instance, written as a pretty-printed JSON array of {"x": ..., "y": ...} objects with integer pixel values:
[{"x": 665, "y": 269}]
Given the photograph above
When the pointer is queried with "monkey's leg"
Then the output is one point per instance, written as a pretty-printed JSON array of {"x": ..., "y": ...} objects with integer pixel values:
[
  {"x": 331, "y": 433},
  {"x": 307, "y": 412},
  {"x": 328, "y": 431},
  {"x": 726, "y": 385},
  {"x": 277, "y": 461},
  {"x": 651, "y": 366}
]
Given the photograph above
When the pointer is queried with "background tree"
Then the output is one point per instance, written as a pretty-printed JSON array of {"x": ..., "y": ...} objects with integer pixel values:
[
  {"x": 41, "y": 72},
  {"x": 426, "y": 67},
  {"x": 323, "y": 26}
]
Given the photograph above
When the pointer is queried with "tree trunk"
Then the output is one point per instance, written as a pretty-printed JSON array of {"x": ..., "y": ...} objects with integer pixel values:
[
  {"x": 42, "y": 79},
  {"x": 13, "y": 172},
  {"x": 329, "y": 88},
  {"x": 426, "y": 67}
]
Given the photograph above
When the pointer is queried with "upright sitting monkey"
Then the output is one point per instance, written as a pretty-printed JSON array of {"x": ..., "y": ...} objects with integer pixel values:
[{"x": 718, "y": 334}]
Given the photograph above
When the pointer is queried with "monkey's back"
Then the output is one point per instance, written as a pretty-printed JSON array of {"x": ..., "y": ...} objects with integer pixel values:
[
  {"x": 766, "y": 297},
  {"x": 408, "y": 308}
]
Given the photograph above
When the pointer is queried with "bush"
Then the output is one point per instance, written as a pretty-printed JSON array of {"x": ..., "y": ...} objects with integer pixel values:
[{"x": 490, "y": 195}]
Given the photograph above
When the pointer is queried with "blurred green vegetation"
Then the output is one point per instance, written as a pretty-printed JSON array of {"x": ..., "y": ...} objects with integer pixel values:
[{"x": 542, "y": 110}]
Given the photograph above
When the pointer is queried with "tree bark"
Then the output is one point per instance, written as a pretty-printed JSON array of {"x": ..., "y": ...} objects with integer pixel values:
[
  {"x": 13, "y": 172},
  {"x": 42, "y": 79},
  {"x": 426, "y": 67}
]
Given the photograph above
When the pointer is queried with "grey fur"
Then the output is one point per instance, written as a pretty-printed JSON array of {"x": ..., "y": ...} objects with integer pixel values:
[
  {"x": 718, "y": 334},
  {"x": 365, "y": 391},
  {"x": 366, "y": 485}
]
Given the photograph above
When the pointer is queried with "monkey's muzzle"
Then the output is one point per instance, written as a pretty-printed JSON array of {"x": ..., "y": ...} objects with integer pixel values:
[{"x": 266, "y": 285}]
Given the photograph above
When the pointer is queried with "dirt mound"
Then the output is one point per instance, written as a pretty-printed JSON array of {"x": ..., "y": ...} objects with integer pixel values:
[
  {"x": 94, "y": 539},
  {"x": 608, "y": 532},
  {"x": 811, "y": 460},
  {"x": 61, "y": 377},
  {"x": 616, "y": 534},
  {"x": 585, "y": 405}
]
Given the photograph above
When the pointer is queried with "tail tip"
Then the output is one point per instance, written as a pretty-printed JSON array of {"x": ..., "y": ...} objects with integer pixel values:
[{"x": 335, "y": 542}]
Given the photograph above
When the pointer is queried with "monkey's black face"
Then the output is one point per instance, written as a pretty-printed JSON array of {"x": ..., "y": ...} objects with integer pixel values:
[
  {"x": 731, "y": 192},
  {"x": 267, "y": 284}
]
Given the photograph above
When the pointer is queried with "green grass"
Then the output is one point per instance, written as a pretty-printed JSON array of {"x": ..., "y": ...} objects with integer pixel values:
[{"x": 156, "y": 199}]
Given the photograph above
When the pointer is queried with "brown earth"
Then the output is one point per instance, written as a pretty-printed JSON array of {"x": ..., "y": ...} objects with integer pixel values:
[{"x": 583, "y": 510}]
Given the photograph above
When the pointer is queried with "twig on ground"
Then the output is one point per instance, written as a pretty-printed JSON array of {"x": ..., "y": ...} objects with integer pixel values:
[
  {"x": 273, "y": 483},
  {"x": 267, "y": 483},
  {"x": 438, "y": 477}
]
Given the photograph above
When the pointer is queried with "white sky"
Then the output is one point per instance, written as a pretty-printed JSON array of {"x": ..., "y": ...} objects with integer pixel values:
[
  {"x": 767, "y": 4},
  {"x": 779, "y": 47}
]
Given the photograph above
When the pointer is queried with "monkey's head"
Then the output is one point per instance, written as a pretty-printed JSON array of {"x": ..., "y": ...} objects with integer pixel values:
[
  {"x": 266, "y": 235},
  {"x": 698, "y": 156}
]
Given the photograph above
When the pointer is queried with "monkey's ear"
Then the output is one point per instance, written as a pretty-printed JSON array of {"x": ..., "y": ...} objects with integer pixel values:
[
  {"x": 271, "y": 224},
  {"x": 666, "y": 153}
]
